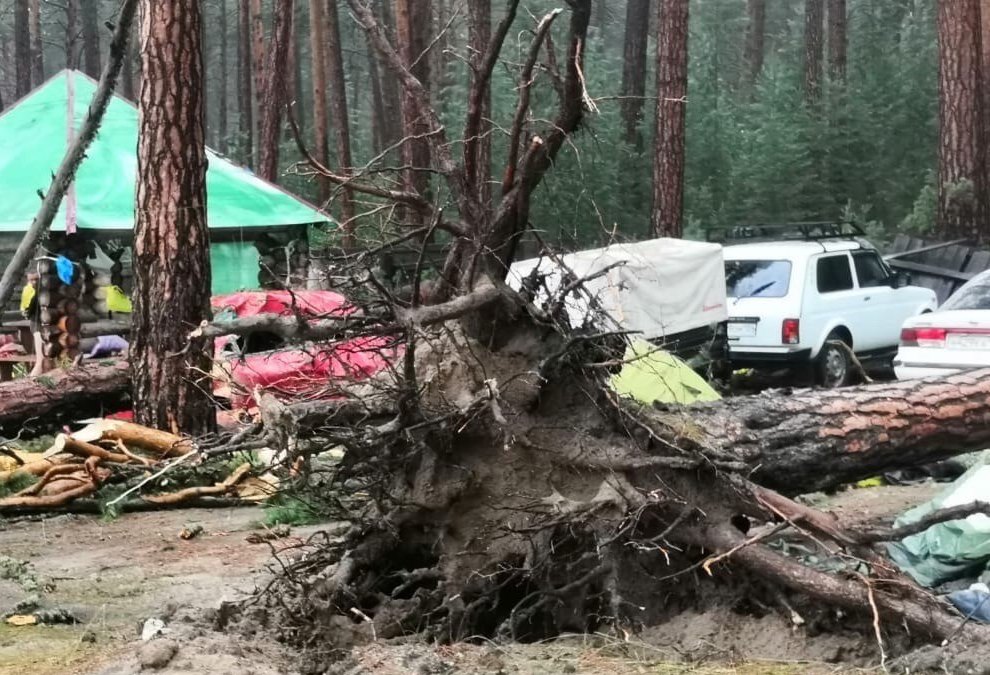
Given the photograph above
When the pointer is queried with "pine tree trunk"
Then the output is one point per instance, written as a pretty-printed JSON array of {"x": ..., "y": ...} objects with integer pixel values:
[
  {"x": 634, "y": 69},
  {"x": 171, "y": 240},
  {"x": 22, "y": 48},
  {"x": 245, "y": 105},
  {"x": 814, "y": 19},
  {"x": 756, "y": 31},
  {"x": 340, "y": 113},
  {"x": 294, "y": 92},
  {"x": 318, "y": 52},
  {"x": 985, "y": 72},
  {"x": 275, "y": 92},
  {"x": 479, "y": 167},
  {"x": 222, "y": 130},
  {"x": 258, "y": 67},
  {"x": 71, "y": 34},
  {"x": 37, "y": 53},
  {"x": 412, "y": 35},
  {"x": 668, "y": 159},
  {"x": 837, "y": 39},
  {"x": 378, "y": 122},
  {"x": 962, "y": 171},
  {"x": 390, "y": 85},
  {"x": 90, "y": 15}
]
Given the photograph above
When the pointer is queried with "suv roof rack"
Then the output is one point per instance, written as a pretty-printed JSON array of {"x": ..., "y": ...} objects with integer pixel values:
[{"x": 804, "y": 231}]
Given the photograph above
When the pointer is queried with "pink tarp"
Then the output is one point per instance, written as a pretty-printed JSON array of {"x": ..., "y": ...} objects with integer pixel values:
[
  {"x": 310, "y": 373},
  {"x": 313, "y": 304},
  {"x": 295, "y": 371}
]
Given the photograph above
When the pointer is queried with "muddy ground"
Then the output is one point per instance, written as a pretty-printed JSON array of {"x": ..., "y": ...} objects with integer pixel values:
[{"x": 115, "y": 575}]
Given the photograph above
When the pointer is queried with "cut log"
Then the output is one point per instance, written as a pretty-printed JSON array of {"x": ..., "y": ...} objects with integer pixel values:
[
  {"x": 819, "y": 439},
  {"x": 48, "y": 398},
  {"x": 161, "y": 443},
  {"x": 104, "y": 327}
]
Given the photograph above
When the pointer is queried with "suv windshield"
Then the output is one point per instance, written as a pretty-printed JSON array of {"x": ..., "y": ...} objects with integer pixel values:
[
  {"x": 974, "y": 295},
  {"x": 757, "y": 278}
]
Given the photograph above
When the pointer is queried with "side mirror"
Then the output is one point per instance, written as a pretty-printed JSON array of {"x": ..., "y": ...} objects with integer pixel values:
[{"x": 900, "y": 280}]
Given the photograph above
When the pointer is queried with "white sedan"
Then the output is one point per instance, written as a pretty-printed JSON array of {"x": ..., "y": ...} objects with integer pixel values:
[{"x": 953, "y": 338}]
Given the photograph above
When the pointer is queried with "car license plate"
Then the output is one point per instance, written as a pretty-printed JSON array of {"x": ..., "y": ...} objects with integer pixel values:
[
  {"x": 740, "y": 329},
  {"x": 964, "y": 341}
]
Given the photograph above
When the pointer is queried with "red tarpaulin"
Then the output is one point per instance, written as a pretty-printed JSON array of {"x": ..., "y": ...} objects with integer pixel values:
[
  {"x": 296, "y": 371},
  {"x": 312, "y": 304}
]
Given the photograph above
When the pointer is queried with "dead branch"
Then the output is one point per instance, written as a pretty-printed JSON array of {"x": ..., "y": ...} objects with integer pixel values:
[
  {"x": 525, "y": 89},
  {"x": 935, "y": 518},
  {"x": 479, "y": 87}
]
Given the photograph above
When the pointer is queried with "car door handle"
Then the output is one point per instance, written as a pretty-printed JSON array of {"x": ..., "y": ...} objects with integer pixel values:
[{"x": 866, "y": 299}]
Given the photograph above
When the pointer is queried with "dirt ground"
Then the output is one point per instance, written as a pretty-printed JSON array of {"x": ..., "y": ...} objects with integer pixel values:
[{"x": 115, "y": 575}]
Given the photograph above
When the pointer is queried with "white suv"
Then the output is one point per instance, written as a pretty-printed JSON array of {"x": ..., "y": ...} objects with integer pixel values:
[{"x": 792, "y": 302}]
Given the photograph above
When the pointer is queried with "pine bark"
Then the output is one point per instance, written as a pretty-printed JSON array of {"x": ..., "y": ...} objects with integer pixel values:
[
  {"x": 318, "y": 52},
  {"x": 245, "y": 105},
  {"x": 962, "y": 170},
  {"x": 668, "y": 158},
  {"x": 294, "y": 92},
  {"x": 837, "y": 39},
  {"x": 412, "y": 28},
  {"x": 478, "y": 166},
  {"x": 756, "y": 31},
  {"x": 814, "y": 19},
  {"x": 634, "y": 69},
  {"x": 274, "y": 92},
  {"x": 339, "y": 112},
  {"x": 37, "y": 52},
  {"x": 377, "y": 95},
  {"x": 222, "y": 123},
  {"x": 90, "y": 15},
  {"x": 816, "y": 440},
  {"x": 171, "y": 240},
  {"x": 258, "y": 68},
  {"x": 985, "y": 70},
  {"x": 390, "y": 84},
  {"x": 22, "y": 48},
  {"x": 80, "y": 389},
  {"x": 71, "y": 34}
]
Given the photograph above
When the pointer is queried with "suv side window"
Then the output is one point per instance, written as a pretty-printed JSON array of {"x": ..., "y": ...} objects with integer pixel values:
[
  {"x": 870, "y": 269},
  {"x": 834, "y": 274}
]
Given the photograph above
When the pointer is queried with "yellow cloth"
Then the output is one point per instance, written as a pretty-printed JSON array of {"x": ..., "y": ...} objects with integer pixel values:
[
  {"x": 26, "y": 296},
  {"x": 117, "y": 301},
  {"x": 651, "y": 375}
]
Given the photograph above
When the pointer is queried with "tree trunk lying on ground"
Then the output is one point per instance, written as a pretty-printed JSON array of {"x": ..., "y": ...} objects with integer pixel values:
[
  {"x": 818, "y": 439},
  {"x": 44, "y": 402}
]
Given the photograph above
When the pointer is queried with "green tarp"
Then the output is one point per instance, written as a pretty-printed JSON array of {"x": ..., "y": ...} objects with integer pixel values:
[
  {"x": 35, "y": 132},
  {"x": 951, "y": 550},
  {"x": 651, "y": 375},
  {"x": 234, "y": 267}
]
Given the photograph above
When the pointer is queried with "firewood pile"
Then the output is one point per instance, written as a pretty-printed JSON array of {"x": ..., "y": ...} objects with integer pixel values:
[
  {"x": 60, "y": 320},
  {"x": 128, "y": 460}
]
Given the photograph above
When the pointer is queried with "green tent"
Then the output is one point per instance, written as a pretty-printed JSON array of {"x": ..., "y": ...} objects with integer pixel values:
[{"x": 35, "y": 132}]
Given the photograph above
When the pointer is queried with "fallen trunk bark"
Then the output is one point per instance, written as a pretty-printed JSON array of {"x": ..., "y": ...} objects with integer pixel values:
[
  {"x": 818, "y": 439},
  {"x": 71, "y": 392}
]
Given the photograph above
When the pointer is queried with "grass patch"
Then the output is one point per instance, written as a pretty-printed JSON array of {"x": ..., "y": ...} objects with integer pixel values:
[
  {"x": 16, "y": 483},
  {"x": 288, "y": 510}
]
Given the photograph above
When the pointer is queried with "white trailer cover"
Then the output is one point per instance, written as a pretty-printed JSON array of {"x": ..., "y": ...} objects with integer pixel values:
[{"x": 658, "y": 288}]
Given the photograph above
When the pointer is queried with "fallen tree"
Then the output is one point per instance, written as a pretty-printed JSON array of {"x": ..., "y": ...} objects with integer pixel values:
[
  {"x": 46, "y": 402},
  {"x": 814, "y": 440},
  {"x": 510, "y": 495}
]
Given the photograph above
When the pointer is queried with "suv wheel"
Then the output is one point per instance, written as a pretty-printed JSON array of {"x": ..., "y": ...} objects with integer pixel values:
[{"x": 833, "y": 365}]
